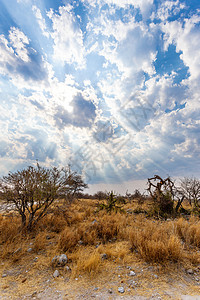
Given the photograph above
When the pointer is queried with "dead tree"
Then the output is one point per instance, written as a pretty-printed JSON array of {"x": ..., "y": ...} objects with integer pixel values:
[{"x": 162, "y": 192}]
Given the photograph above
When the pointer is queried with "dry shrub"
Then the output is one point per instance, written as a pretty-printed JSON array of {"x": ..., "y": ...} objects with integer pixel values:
[
  {"x": 105, "y": 228},
  {"x": 88, "y": 233},
  {"x": 68, "y": 240},
  {"x": 54, "y": 223},
  {"x": 189, "y": 231},
  {"x": 156, "y": 242},
  {"x": 75, "y": 217},
  {"x": 110, "y": 226}
]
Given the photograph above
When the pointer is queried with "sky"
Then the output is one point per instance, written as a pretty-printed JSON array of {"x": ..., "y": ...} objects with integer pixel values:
[{"x": 110, "y": 87}]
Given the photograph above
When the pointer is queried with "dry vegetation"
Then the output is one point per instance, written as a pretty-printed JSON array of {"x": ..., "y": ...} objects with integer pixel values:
[{"x": 84, "y": 234}]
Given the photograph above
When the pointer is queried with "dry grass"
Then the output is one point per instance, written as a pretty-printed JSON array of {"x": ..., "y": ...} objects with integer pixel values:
[
  {"x": 189, "y": 231},
  {"x": 88, "y": 261},
  {"x": 78, "y": 229},
  {"x": 156, "y": 242},
  {"x": 40, "y": 241},
  {"x": 68, "y": 239},
  {"x": 9, "y": 228}
]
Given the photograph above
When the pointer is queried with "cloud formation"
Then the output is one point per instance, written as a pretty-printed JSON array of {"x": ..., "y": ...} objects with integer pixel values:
[{"x": 111, "y": 85}]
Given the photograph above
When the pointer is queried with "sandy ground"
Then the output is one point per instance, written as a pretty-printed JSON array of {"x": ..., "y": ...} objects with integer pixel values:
[{"x": 35, "y": 280}]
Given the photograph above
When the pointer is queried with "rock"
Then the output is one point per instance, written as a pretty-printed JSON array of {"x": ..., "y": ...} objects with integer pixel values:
[
  {"x": 190, "y": 271},
  {"x": 67, "y": 268},
  {"x": 155, "y": 276},
  {"x": 104, "y": 256},
  {"x": 56, "y": 274},
  {"x": 35, "y": 259},
  {"x": 59, "y": 260},
  {"x": 121, "y": 289},
  {"x": 80, "y": 242},
  {"x": 110, "y": 291},
  {"x": 4, "y": 275},
  {"x": 132, "y": 273},
  {"x": 96, "y": 289},
  {"x": 30, "y": 250}
]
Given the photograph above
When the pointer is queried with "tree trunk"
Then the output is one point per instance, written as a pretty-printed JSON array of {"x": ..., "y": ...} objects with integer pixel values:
[
  {"x": 30, "y": 222},
  {"x": 179, "y": 203},
  {"x": 23, "y": 218}
]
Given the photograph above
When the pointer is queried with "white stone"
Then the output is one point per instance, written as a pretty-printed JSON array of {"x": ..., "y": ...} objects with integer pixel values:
[
  {"x": 132, "y": 273},
  {"x": 121, "y": 289},
  {"x": 56, "y": 274}
]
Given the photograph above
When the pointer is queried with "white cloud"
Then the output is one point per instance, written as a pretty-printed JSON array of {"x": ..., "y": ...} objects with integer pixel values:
[
  {"x": 19, "y": 41},
  {"x": 167, "y": 9},
  {"x": 145, "y": 6},
  {"x": 41, "y": 20},
  {"x": 186, "y": 38},
  {"x": 67, "y": 36}
]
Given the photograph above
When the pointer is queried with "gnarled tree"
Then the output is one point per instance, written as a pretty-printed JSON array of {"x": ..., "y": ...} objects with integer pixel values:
[{"x": 162, "y": 192}]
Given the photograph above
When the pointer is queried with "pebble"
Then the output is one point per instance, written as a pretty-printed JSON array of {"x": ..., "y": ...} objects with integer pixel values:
[
  {"x": 4, "y": 275},
  {"x": 56, "y": 274},
  {"x": 121, "y": 289},
  {"x": 190, "y": 271},
  {"x": 110, "y": 291},
  {"x": 29, "y": 250},
  {"x": 104, "y": 256},
  {"x": 67, "y": 268},
  {"x": 132, "y": 273}
]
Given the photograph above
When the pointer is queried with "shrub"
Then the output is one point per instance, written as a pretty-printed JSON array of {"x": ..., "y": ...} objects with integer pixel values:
[
  {"x": 111, "y": 204},
  {"x": 33, "y": 190}
]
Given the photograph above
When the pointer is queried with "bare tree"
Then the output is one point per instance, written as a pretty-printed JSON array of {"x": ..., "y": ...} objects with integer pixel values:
[
  {"x": 100, "y": 195},
  {"x": 31, "y": 191},
  {"x": 190, "y": 188},
  {"x": 162, "y": 192}
]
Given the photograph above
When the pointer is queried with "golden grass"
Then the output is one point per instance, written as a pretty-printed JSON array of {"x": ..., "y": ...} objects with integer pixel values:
[
  {"x": 156, "y": 242},
  {"x": 68, "y": 239},
  {"x": 77, "y": 229},
  {"x": 9, "y": 228},
  {"x": 189, "y": 231},
  {"x": 40, "y": 241},
  {"x": 88, "y": 263}
]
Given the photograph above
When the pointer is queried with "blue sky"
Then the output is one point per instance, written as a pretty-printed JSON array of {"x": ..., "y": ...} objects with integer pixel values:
[{"x": 111, "y": 87}]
